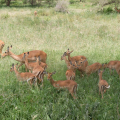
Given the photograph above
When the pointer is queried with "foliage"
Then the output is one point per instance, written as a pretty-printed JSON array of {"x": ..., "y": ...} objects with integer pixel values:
[{"x": 62, "y": 6}]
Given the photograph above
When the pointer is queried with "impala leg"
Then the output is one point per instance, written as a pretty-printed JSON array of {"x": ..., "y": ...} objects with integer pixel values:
[
  {"x": 102, "y": 90},
  {"x": 72, "y": 93},
  {"x": 99, "y": 90},
  {"x": 19, "y": 65}
]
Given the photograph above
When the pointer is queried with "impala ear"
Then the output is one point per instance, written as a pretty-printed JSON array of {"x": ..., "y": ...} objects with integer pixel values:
[
  {"x": 70, "y": 62},
  {"x": 8, "y": 48},
  {"x": 13, "y": 65},
  {"x": 68, "y": 48},
  {"x": 98, "y": 71},
  {"x": 24, "y": 55},
  {"x": 11, "y": 46},
  {"x": 64, "y": 54},
  {"x": 70, "y": 51},
  {"x": 28, "y": 53}
]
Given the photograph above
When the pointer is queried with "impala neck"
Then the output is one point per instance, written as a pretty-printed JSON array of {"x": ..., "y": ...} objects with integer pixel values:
[
  {"x": 15, "y": 57},
  {"x": 26, "y": 62},
  {"x": 16, "y": 72},
  {"x": 52, "y": 81},
  {"x": 66, "y": 61},
  {"x": 0, "y": 51},
  {"x": 69, "y": 58},
  {"x": 100, "y": 76}
]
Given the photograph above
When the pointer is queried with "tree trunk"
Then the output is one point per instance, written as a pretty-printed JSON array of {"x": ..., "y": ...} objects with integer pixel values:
[{"x": 8, "y": 2}]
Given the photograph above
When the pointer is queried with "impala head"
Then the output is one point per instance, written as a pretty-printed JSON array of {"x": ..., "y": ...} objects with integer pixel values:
[
  {"x": 62, "y": 57},
  {"x": 100, "y": 72},
  {"x": 81, "y": 62},
  {"x": 25, "y": 55},
  {"x": 2, "y": 45},
  {"x": 50, "y": 75},
  {"x": 6, "y": 53},
  {"x": 104, "y": 65},
  {"x": 12, "y": 68},
  {"x": 68, "y": 52}
]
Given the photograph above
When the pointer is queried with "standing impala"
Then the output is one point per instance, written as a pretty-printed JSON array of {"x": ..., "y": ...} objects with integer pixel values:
[
  {"x": 24, "y": 76},
  {"x": 1, "y": 47},
  {"x": 69, "y": 84},
  {"x": 31, "y": 56},
  {"x": 34, "y": 68},
  {"x": 103, "y": 85}
]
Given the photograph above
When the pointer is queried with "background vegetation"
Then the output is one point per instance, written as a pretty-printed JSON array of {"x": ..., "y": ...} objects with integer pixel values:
[{"x": 84, "y": 30}]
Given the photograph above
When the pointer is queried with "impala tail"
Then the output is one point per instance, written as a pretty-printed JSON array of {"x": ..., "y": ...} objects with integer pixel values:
[{"x": 108, "y": 87}]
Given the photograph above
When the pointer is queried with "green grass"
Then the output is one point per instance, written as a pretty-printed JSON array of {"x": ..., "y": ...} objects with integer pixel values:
[{"x": 83, "y": 30}]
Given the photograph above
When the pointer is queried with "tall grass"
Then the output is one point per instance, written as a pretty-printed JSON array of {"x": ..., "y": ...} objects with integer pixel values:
[{"x": 88, "y": 33}]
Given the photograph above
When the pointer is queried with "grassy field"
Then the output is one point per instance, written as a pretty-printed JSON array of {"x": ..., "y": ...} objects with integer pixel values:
[{"x": 83, "y": 30}]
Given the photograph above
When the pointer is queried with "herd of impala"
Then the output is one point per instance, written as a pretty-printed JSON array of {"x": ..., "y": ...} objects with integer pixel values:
[{"x": 35, "y": 62}]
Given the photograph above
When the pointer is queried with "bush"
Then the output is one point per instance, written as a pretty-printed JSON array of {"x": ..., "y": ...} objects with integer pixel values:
[
  {"x": 107, "y": 10},
  {"x": 62, "y": 6}
]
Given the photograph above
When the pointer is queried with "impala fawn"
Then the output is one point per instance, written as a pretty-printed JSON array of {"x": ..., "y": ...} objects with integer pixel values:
[
  {"x": 24, "y": 76},
  {"x": 1, "y": 47},
  {"x": 31, "y": 56},
  {"x": 69, "y": 84},
  {"x": 103, "y": 85}
]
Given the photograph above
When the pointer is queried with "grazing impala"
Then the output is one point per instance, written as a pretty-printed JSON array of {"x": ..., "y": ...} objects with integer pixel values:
[
  {"x": 103, "y": 85},
  {"x": 69, "y": 84},
  {"x": 1, "y": 47},
  {"x": 93, "y": 68},
  {"x": 24, "y": 76},
  {"x": 31, "y": 56},
  {"x": 112, "y": 65}
]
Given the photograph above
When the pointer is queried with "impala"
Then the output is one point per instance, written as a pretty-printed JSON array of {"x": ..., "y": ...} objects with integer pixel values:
[
  {"x": 103, "y": 85},
  {"x": 31, "y": 56},
  {"x": 69, "y": 84}
]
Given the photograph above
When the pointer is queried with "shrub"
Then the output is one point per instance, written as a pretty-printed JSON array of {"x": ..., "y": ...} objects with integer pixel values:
[{"x": 62, "y": 6}]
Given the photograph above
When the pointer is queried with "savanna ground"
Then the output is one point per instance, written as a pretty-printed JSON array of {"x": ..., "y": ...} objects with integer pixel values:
[{"x": 94, "y": 35}]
